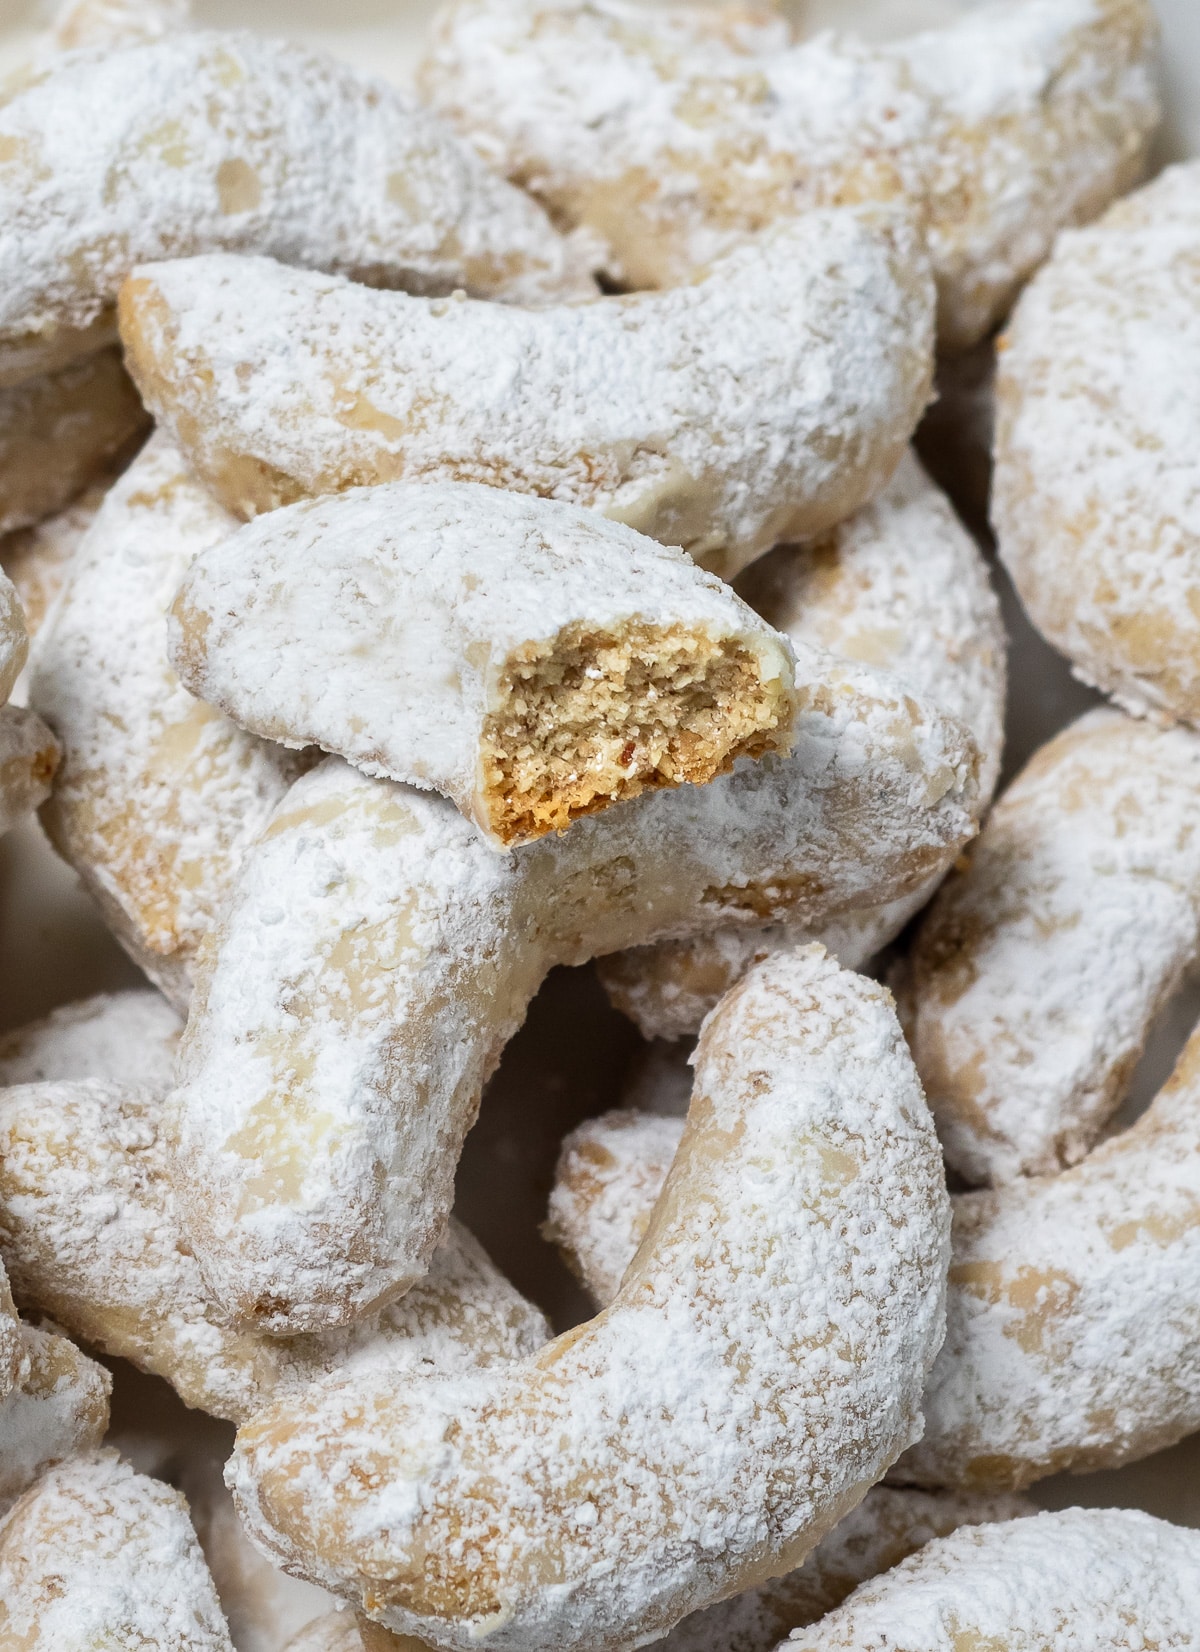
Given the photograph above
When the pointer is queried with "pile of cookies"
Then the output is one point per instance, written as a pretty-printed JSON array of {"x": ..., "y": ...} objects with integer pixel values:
[{"x": 468, "y": 535}]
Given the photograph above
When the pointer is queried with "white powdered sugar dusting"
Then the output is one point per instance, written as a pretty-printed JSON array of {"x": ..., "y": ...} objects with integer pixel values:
[
  {"x": 767, "y": 400},
  {"x": 762, "y": 1363}
]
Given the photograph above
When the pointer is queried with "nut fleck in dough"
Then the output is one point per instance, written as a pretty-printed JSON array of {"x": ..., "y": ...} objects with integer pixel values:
[
  {"x": 61, "y": 431},
  {"x": 376, "y": 955},
  {"x": 1039, "y": 969},
  {"x": 765, "y": 402},
  {"x": 901, "y": 586},
  {"x": 672, "y": 131},
  {"x": 96, "y": 1556},
  {"x": 89, "y": 1226},
  {"x": 59, "y": 1408},
  {"x": 1097, "y": 482},
  {"x": 202, "y": 141},
  {"x": 1073, "y": 1313},
  {"x": 1077, "y": 1581},
  {"x": 127, "y": 1037},
  {"x": 526, "y": 658},
  {"x": 158, "y": 794},
  {"x": 759, "y": 1369}
]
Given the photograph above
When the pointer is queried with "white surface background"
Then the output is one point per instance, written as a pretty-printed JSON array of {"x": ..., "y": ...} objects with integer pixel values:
[{"x": 568, "y": 1061}]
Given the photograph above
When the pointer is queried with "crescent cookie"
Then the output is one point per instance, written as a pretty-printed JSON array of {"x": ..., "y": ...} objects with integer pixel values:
[
  {"x": 1042, "y": 964},
  {"x": 59, "y": 1409},
  {"x": 90, "y": 1230},
  {"x": 673, "y": 131},
  {"x": 1097, "y": 482},
  {"x": 901, "y": 586},
  {"x": 759, "y": 1369},
  {"x": 766, "y": 401},
  {"x": 95, "y": 1555},
  {"x": 887, "y": 1526},
  {"x": 1077, "y": 1581},
  {"x": 158, "y": 795},
  {"x": 202, "y": 141},
  {"x": 126, "y": 1037},
  {"x": 527, "y": 659},
  {"x": 1073, "y": 1314},
  {"x": 376, "y": 955}
]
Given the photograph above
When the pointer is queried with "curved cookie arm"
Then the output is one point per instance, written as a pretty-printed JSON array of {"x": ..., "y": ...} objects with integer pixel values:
[
  {"x": 1097, "y": 487},
  {"x": 886, "y": 1527},
  {"x": 89, "y": 1224},
  {"x": 202, "y": 141},
  {"x": 158, "y": 795},
  {"x": 523, "y": 657},
  {"x": 1080, "y": 1578},
  {"x": 376, "y": 956},
  {"x": 58, "y": 1410},
  {"x": 1073, "y": 1315},
  {"x": 803, "y": 1220},
  {"x": 97, "y": 1555},
  {"x": 128, "y": 1037},
  {"x": 901, "y": 585},
  {"x": 1042, "y": 113},
  {"x": 1037, "y": 974},
  {"x": 61, "y": 431},
  {"x": 672, "y": 134},
  {"x": 765, "y": 402}
]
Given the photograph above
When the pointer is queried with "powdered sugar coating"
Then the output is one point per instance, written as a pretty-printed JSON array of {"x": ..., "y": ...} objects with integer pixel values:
[
  {"x": 1073, "y": 1318},
  {"x": 761, "y": 1365},
  {"x": 901, "y": 586},
  {"x": 90, "y": 1229},
  {"x": 1097, "y": 490},
  {"x": 674, "y": 131},
  {"x": 766, "y": 401},
  {"x": 98, "y": 1556},
  {"x": 158, "y": 794},
  {"x": 126, "y": 1037},
  {"x": 609, "y": 1175},
  {"x": 29, "y": 757},
  {"x": 1037, "y": 974},
  {"x": 59, "y": 1409},
  {"x": 1078, "y": 1580},
  {"x": 887, "y": 1525},
  {"x": 205, "y": 140},
  {"x": 380, "y": 624},
  {"x": 376, "y": 956},
  {"x": 60, "y": 431},
  {"x": 1073, "y": 1314}
]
